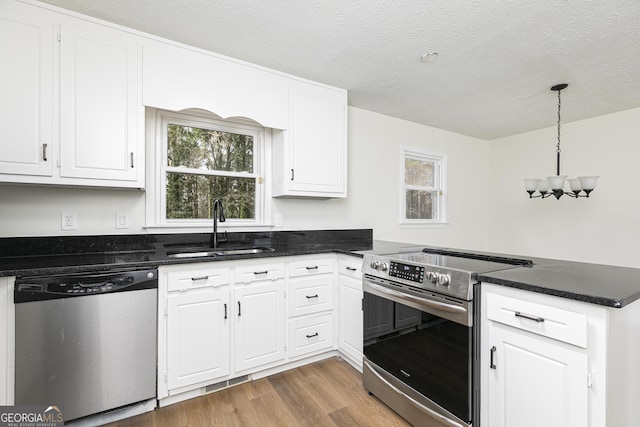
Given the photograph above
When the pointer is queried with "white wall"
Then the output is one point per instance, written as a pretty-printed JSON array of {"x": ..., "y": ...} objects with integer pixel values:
[
  {"x": 373, "y": 189},
  {"x": 601, "y": 229}
]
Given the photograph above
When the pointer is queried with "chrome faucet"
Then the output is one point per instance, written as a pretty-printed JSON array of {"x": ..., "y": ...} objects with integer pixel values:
[{"x": 218, "y": 215}]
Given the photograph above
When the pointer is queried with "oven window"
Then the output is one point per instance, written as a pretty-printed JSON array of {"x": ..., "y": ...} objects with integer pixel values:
[{"x": 428, "y": 353}]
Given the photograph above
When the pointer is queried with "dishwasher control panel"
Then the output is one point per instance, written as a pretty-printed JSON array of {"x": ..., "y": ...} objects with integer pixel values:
[{"x": 64, "y": 286}]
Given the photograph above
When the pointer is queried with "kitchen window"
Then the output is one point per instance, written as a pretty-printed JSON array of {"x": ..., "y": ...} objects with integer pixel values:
[
  {"x": 423, "y": 187},
  {"x": 200, "y": 159}
]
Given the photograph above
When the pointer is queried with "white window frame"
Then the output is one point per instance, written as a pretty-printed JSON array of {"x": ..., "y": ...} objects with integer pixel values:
[
  {"x": 157, "y": 153},
  {"x": 440, "y": 186}
]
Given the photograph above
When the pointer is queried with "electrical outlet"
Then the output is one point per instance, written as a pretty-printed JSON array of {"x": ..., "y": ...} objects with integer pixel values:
[
  {"x": 121, "y": 220},
  {"x": 69, "y": 221}
]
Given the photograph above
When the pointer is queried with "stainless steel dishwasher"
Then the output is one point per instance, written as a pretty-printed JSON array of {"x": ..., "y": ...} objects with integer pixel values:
[{"x": 86, "y": 342}]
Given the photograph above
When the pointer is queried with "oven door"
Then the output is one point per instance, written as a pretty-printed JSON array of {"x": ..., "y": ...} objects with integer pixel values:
[{"x": 418, "y": 349}]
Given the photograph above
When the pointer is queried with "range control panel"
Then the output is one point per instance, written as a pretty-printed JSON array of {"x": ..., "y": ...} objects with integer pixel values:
[{"x": 413, "y": 273}]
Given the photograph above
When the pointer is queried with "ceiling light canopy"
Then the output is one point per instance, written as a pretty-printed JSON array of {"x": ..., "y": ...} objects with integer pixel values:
[
  {"x": 554, "y": 185},
  {"x": 430, "y": 57}
]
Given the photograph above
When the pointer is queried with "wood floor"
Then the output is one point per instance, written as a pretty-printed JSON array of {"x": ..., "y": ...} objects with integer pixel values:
[{"x": 325, "y": 393}]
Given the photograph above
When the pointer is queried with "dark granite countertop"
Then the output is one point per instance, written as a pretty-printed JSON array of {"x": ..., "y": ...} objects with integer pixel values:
[
  {"x": 38, "y": 256},
  {"x": 593, "y": 283}
]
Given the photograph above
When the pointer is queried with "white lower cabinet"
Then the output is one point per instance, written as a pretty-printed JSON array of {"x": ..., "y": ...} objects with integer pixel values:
[
  {"x": 551, "y": 361},
  {"x": 536, "y": 382},
  {"x": 197, "y": 329},
  {"x": 224, "y": 320},
  {"x": 350, "y": 315},
  {"x": 259, "y": 324},
  {"x": 310, "y": 295}
]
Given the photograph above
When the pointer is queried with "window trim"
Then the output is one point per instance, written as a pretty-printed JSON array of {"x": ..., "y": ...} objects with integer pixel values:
[
  {"x": 440, "y": 181},
  {"x": 157, "y": 169}
]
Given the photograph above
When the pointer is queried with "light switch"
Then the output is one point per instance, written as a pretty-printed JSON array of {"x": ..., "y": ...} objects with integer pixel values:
[{"x": 121, "y": 220}]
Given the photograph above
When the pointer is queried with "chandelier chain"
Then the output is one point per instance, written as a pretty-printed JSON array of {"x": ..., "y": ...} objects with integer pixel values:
[{"x": 558, "y": 145}]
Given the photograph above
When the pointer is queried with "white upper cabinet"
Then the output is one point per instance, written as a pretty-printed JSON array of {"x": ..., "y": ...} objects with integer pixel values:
[
  {"x": 71, "y": 110},
  {"x": 26, "y": 85},
  {"x": 177, "y": 78},
  {"x": 100, "y": 107},
  {"x": 310, "y": 157}
]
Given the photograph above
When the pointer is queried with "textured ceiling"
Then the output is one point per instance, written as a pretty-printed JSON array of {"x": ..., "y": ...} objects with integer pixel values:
[{"x": 497, "y": 58}]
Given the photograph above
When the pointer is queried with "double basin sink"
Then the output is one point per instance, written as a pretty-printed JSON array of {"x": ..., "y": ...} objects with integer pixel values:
[{"x": 210, "y": 252}]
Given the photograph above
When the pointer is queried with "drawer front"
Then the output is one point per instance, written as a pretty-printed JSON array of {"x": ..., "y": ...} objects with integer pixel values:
[
  {"x": 350, "y": 266},
  {"x": 556, "y": 323},
  {"x": 310, "y": 334},
  {"x": 255, "y": 272},
  {"x": 311, "y": 266},
  {"x": 197, "y": 277},
  {"x": 310, "y": 295}
]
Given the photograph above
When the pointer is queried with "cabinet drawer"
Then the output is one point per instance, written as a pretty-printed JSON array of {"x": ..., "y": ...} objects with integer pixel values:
[
  {"x": 310, "y": 334},
  {"x": 197, "y": 277},
  {"x": 351, "y": 266},
  {"x": 255, "y": 272},
  {"x": 310, "y": 266},
  {"x": 559, "y": 324},
  {"x": 310, "y": 295}
]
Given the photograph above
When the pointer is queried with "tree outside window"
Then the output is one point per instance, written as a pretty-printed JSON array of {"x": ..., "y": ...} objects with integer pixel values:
[
  {"x": 423, "y": 187},
  {"x": 208, "y": 160}
]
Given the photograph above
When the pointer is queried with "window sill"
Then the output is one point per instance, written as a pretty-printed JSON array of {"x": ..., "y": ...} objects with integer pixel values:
[
  {"x": 197, "y": 228},
  {"x": 424, "y": 225}
]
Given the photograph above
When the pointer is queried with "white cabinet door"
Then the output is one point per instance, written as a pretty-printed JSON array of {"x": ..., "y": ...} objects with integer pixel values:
[
  {"x": 310, "y": 156},
  {"x": 197, "y": 336},
  {"x": 535, "y": 381},
  {"x": 26, "y": 88},
  {"x": 259, "y": 324},
  {"x": 101, "y": 113},
  {"x": 350, "y": 317}
]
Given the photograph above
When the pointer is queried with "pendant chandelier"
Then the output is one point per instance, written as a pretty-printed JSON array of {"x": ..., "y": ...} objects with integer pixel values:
[{"x": 554, "y": 185}]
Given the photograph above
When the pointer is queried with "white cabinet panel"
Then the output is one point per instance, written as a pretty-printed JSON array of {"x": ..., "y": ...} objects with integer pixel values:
[
  {"x": 536, "y": 382},
  {"x": 350, "y": 317},
  {"x": 310, "y": 157},
  {"x": 26, "y": 85},
  {"x": 310, "y": 334},
  {"x": 197, "y": 336},
  {"x": 100, "y": 108},
  {"x": 259, "y": 324},
  {"x": 559, "y": 324},
  {"x": 311, "y": 265},
  {"x": 177, "y": 78},
  {"x": 310, "y": 294},
  {"x": 71, "y": 110}
]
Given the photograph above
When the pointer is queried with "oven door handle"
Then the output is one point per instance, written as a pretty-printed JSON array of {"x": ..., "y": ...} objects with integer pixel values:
[
  {"x": 443, "y": 306},
  {"x": 444, "y": 420}
]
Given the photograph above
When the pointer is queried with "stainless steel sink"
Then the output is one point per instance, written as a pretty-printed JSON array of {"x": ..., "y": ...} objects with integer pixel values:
[{"x": 219, "y": 252}]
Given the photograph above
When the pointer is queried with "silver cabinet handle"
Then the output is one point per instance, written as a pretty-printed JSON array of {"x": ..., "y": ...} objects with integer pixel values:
[
  {"x": 525, "y": 316},
  {"x": 44, "y": 152},
  {"x": 292, "y": 174},
  {"x": 131, "y": 154}
]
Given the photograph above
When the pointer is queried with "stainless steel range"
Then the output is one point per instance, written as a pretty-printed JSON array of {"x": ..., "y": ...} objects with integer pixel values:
[{"x": 420, "y": 344}]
